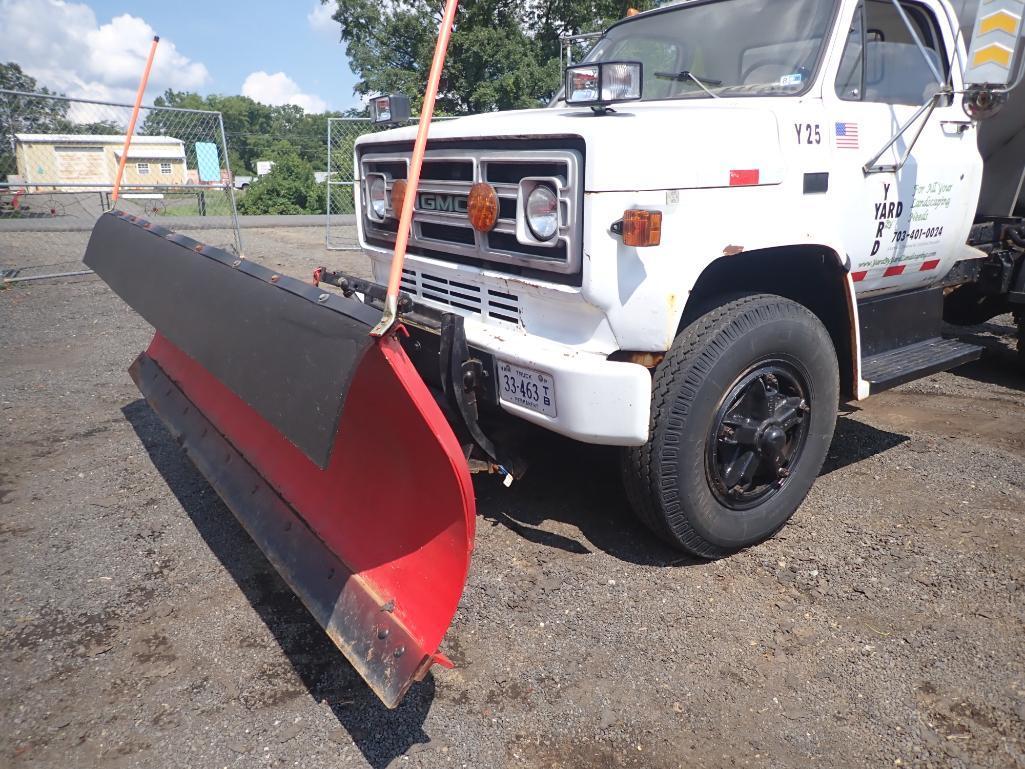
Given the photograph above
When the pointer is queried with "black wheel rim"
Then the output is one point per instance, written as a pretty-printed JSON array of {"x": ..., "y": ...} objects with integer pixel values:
[{"x": 758, "y": 435}]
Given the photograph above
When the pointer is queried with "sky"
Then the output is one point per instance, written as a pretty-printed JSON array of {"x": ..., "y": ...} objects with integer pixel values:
[{"x": 275, "y": 51}]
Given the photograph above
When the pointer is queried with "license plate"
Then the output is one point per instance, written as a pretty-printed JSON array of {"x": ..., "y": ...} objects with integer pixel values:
[{"x": 526, "y": 387}]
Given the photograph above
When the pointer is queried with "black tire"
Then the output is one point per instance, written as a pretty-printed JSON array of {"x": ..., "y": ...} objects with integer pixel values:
[{"x": 673, "y": 481}]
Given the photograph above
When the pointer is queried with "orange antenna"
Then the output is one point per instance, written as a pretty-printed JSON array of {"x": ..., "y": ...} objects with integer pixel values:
[
  {"x": 135, "y": 117},
  {"x": 391, "y": 303}
]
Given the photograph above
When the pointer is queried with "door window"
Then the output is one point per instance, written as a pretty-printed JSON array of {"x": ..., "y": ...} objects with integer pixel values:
[{"x": 881, "y": 62}]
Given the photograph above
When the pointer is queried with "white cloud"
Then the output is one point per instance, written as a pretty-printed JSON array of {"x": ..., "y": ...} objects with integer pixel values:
[
  {"x": 63, "y": 47},
  {"x": 278, "y": 89},
  {"x": 320, "y": 18}
]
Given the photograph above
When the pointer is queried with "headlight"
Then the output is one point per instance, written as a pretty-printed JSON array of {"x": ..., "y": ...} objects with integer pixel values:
[
  {"x": 604, "y": 83},
  {"x": 377, "y": 197},
  {"x": 543, "y": 212}
]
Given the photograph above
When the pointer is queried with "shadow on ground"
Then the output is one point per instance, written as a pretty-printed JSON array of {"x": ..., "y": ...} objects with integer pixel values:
[
  {"x": 573, "y": 485},
  {"x": 1000, "y": 363},
  {"x": 380, "y": 734},
  {"x": 855, "y": 441},
  {"x": 998, "y": 367},
  {"x": 579, "y": 485}
]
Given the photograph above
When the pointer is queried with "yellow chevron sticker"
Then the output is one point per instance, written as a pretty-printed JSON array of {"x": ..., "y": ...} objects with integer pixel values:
[
  {"x": 992, "y": 54},
  {"x": 1004, "y": 21}
]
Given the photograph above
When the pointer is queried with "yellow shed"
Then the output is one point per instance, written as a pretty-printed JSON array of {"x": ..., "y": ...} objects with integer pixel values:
[{"x": 82, "y": 162}]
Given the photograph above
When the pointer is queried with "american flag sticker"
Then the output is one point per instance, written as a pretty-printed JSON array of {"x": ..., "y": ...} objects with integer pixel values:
[{"x": 847, "y": 136}]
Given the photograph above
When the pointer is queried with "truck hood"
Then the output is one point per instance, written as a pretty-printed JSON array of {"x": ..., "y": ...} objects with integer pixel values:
[{"x": 650, "y": 146}]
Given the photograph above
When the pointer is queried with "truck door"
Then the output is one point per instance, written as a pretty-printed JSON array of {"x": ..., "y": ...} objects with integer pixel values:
[{"x": 902, "y": 228}]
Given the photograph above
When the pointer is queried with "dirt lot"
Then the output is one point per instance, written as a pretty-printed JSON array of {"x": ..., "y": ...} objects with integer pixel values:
[{"x": 139, "y": 626}]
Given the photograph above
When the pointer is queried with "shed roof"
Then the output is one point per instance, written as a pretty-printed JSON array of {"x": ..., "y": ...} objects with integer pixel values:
[{"x": 93, "y": 139}]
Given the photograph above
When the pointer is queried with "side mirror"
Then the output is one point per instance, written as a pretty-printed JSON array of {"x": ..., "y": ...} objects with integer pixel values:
[
  {"x": 600, "y": 84},
  {"x": 389, "y": 110}
]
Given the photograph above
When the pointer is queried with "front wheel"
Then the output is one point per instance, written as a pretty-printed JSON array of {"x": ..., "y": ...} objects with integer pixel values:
[{"x": 743, "y": 411}]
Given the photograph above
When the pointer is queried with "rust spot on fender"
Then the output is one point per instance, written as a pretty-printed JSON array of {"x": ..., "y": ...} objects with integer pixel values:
[
  {"x": 647, "y": 359},
  {"x": 732, "y": 250}
]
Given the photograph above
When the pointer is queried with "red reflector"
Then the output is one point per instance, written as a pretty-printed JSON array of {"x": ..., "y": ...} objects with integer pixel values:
[
  {"x": 932, "y": 264},
  {"x": 744, "y": 178},
  {"x": 859, "y": 276},
  {"x": 892, "y": 272}
]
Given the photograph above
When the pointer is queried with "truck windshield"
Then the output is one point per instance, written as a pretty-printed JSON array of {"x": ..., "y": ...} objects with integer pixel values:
[{"x": 723, "y": 48}]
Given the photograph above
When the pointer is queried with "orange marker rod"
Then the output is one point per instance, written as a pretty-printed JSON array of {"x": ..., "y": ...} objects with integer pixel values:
[
  {"x": 391, "y": 304},
  {"x": 135, "y": 117}
]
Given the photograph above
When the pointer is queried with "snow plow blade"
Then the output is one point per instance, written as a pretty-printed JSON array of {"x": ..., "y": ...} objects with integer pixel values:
[{"x": 324, "y": 442}]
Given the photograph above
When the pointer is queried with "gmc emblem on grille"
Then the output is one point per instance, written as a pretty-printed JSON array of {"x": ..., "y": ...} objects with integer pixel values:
[{"x": 435, "y": 201}]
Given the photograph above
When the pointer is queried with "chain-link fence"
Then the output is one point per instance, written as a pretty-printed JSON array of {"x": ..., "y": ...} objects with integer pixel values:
[
  {"x": 59, "y": 159},
  {"x": 342, "y": 133}
]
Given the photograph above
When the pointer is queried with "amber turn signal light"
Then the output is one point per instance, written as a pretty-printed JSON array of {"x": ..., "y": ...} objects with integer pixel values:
[
  {"x": 398, "y": 197},
  {"x": 482, "y": 207},
  {"x": 641, "y": 228}
]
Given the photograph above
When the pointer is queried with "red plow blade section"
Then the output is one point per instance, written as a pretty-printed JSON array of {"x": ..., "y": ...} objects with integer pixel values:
[{"x": 367, "y": 512}]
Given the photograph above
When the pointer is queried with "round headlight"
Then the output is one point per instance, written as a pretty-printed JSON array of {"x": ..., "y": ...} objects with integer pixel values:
[
  {"x": 377, "y": 192},
  {"x": 543, "y": 212}
]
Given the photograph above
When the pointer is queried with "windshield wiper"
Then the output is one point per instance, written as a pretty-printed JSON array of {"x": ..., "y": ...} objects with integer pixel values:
[{"x": 686, "y": 74}]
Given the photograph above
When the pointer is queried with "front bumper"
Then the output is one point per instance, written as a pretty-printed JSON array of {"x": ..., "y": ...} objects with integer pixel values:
[{"x": 597, "y": 401}]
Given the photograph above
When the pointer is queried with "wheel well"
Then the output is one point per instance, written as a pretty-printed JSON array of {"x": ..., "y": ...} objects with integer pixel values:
[{"x": 808, "y": 274}]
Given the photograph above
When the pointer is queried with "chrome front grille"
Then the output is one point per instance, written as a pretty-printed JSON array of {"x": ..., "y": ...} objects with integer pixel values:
[
  {"x": 463, "y": 295},
  {"x": 451, "y": 173}
]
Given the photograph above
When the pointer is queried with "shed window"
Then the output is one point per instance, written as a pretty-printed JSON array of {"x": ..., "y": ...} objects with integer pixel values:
[
  {"x": 165, "y": 169},
  {"x": 143, "y": 168}
]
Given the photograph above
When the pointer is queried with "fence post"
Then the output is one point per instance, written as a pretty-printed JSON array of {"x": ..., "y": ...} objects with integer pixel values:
[
  {"x": 231, "y": 186},
  {"x": 327, "y": 181}
]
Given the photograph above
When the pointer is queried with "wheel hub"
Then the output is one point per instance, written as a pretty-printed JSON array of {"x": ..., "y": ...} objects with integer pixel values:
[
  {"x": 772, "y": 444},
  {"x": 758, "y": 434}
]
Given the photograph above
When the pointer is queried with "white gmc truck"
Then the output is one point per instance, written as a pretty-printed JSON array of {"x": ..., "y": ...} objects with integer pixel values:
[{"x": 736, "y": 215}]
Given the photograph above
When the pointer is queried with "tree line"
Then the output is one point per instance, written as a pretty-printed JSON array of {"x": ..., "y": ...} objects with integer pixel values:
[{"x": 505, "y": 54}]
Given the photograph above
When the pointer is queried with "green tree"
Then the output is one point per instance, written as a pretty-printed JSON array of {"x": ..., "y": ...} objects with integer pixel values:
[
  {"x": 504, "y": 54},
  {"x": 251, "y": 128},
  {"x": 25, "y": 114},
  {"x": 290, "y": 187}
]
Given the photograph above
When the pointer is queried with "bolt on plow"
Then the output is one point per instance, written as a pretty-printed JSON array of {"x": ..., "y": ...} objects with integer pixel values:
[{"x": 306, "y": 415}]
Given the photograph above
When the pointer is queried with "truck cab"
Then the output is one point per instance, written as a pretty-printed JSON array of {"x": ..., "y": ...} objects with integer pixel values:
[{"x": 735, "y": 214}]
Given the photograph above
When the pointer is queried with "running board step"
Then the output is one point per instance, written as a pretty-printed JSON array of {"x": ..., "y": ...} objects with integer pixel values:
[{"x": 905, "y": 364}]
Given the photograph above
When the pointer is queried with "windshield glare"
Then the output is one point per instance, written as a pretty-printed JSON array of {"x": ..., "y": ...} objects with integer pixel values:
[{"x": 724, "y": 48}]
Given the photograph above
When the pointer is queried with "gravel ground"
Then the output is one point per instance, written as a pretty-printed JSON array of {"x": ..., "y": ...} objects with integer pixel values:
[{"x": 140, "y": 627}]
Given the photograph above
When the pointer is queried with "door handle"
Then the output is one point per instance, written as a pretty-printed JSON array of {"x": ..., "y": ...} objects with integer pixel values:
[{"x": 956, "y": 125}]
